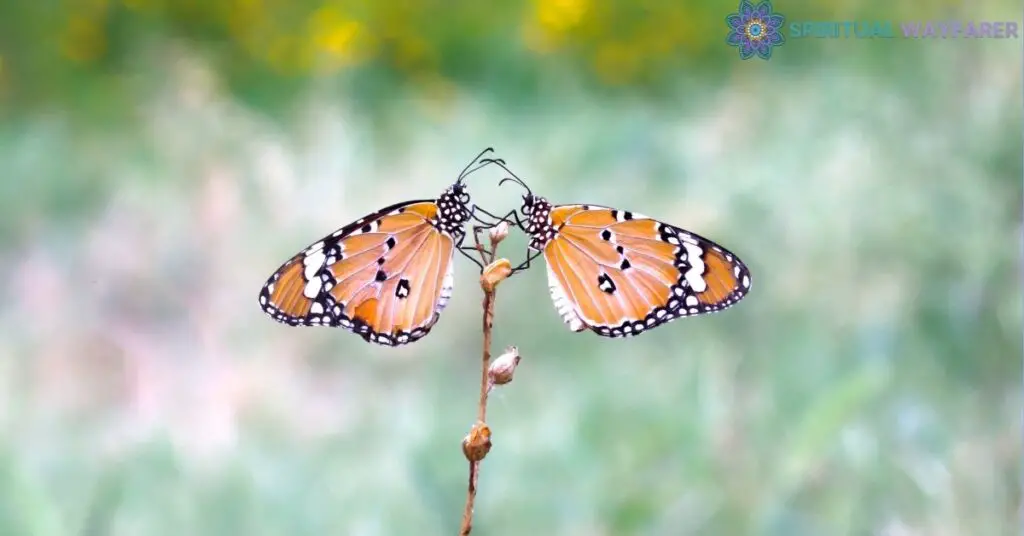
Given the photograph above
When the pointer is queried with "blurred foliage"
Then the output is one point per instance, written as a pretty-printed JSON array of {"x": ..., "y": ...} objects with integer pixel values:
[
  {"x": 162, "y": 157},
  {"x": 94, "y": 51}
]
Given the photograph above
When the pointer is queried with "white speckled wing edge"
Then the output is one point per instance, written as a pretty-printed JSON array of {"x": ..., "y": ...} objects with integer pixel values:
[
  {"x": 447, "y": 285},
  {"x": 562, "y": 304}
]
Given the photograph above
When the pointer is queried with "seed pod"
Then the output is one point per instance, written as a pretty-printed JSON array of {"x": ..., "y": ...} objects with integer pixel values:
[
  {"x": 477, "y": 443},
  {"x": 503, "y": 367},
  {"x": 495, "y": 273}
]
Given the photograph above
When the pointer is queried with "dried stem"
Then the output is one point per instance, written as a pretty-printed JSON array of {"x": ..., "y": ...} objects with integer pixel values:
[
  {"x": 477, "y": 443},
  {"x": 481, "y": 410}
]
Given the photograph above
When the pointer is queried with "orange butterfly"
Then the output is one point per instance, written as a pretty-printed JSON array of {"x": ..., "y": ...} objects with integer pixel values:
[
  {"x": 620, "y": 273},
  {"x": 386, "y": 276}
]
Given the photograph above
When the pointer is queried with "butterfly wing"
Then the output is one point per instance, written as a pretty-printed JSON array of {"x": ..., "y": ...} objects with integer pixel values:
[
  {"x": 619, "y": 273},
  {"x": 386, "y": 277}
]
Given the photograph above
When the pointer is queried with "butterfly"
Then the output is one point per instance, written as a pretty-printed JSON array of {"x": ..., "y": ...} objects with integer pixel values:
[
  {"x": 386, "y": 276},
  {"x": 620, "y": 273}
]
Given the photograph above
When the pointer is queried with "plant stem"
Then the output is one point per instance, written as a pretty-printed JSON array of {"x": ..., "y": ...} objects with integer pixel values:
[
  {"x": 481, "y": 413},
  {"x": 488, "y": 324},
  {"x": 467, "y": 513}
]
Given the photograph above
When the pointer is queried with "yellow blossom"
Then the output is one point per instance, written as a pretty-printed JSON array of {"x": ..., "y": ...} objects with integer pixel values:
[
  {"x": 339, "y": 39},
  {"x": 559, "y": 16}
]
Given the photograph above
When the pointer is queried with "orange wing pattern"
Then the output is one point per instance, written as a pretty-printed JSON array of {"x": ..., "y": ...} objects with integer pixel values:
[
  {"x": 620, "y": 273},
  {"x": 386, "y": 277}
]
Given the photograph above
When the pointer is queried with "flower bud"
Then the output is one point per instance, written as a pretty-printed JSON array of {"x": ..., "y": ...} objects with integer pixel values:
[
  {"x": 495, "y": 273},
  {"x": 477, "y": 443},
  {"x": 498, "y": 232},
  {"x": 503, "y": 367}
]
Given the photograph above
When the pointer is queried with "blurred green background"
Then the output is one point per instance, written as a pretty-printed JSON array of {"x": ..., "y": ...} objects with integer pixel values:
[{"x": 162, "y": 157}]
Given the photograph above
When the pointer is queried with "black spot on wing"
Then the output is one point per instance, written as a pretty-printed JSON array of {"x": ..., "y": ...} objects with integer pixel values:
[
  {"x": 606, "y": 284},
  {"x": 403, "y": 288}
]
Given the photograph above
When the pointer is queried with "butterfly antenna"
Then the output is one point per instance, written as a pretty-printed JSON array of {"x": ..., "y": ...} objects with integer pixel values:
[
  {"x": 513, "y": 177},
  {"x": 469, "y": 169}
]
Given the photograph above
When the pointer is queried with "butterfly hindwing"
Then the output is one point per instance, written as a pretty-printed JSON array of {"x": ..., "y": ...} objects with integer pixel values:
[
  {"x": 386, "y": 277},
  {"x": 620, "y": 273}
]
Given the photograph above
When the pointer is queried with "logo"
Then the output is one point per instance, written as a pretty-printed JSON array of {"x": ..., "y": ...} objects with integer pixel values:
[{"x": 754, "y": 29}]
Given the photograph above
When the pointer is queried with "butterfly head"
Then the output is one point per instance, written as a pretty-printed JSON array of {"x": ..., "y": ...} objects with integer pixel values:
[
  {"x": 453, "y": 209},
  {"x": 536, "y": 211}
]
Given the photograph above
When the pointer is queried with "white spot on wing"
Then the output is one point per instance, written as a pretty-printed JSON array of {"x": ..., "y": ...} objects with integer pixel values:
[
  {"x": 312, "y": 262},
  {"x": 688, "y": 239},
  {"x": 312, "y": 289},
  {"x": 693, "y": 275}
]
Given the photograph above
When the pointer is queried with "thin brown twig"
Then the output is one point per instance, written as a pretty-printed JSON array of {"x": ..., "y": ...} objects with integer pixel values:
[
  {"x": 481, "y": 410},
  {"x": 479, "y": 436}
]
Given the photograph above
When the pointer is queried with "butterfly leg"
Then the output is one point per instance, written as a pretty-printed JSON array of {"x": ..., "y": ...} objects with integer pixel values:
[
  {"x": 478, "y": 247},
  {"x": 465, "y": 249},
  {"x": 526, "y": 264},
  {"x": 478, "y": 209},
  {"x": 513, "y": 214},
  {"x": 477, "y": 219}
]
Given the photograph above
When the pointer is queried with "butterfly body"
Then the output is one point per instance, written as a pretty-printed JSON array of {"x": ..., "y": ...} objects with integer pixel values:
[
  {"x": 620, "y": 273},
  {"x": 386, "y": 277}
]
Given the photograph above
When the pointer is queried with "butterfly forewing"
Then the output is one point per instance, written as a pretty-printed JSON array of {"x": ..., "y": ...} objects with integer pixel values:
[
  {"x": 386, "y": 277},
  {"x": 621, "y": 273}
]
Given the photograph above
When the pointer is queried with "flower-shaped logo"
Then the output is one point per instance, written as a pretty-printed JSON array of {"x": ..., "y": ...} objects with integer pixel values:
[{"x": 755, "y": 29}]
